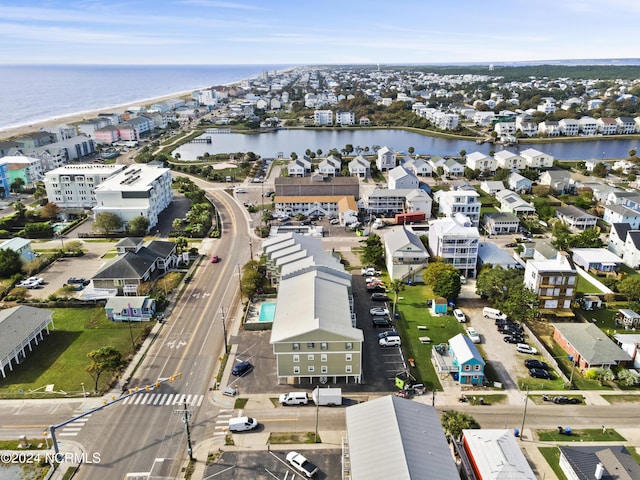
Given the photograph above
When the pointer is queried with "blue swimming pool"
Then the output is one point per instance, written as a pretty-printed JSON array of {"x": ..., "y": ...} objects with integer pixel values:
[{"x": 267, "y": 312}]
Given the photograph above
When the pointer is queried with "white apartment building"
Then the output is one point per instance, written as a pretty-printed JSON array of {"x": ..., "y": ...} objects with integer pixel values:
[
  {"x": 400, "y": 177},
  {"x": 31, "y": 167},
  {"x": 569, "y": 127},
  {"x": 345, "y": 118},
  {"x": 446, "y": 121},
  {"x": 480, "y": 161},
  {"x": 464, "y": 202},
  {"x": 588, "y": 125},
  {"x": 73, "y": 186},
  {"x": 536, "y": 159},
  {"x": 509, "y": 161},
  {"x": 140, "y": 190},
  {"x": 607, "y": 126},
  {"x": 554, "y": 282},
  {"x": 504, "y": 129},
  {"x": 386, "y": 159},
  {"x": 323, "y": 117},
  {"x": 393, "y": 201},
  {"x": 455, "y": 240},
  {"x": 548, "y": 105}
]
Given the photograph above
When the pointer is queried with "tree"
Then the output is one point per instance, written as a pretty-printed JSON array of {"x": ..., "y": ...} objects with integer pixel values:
[
  {"x": 632, "y": 152},
  {"x": 176, "y": 224},
  {"x": 319, "y": 151},
  {"x": 104, "y": 359},
  {"x": 630, "y": 287},
  {"x": 348, "y": 148},
  {"x": 453, "y": 422},
  {"x": 40, "y": 192},
  {"x": 138, "y": 226},
  {"x": 50, "y": 211},
  {"x": 602, "y": 375},
  {"x": 20, "y": 208},
  {"x": 373, "y": 251},
  {"x": 463, "y": 153},
  {"x": 396, "y": 286},
  {"x": 520, "y": 303},
  {"x": 436, "y": 269},
  {"x": 252, "y": 280},
  {"x": 411, "y": 150},
  {"x": 10, "y": 262},
  {"x": 600, "y": 170},
  {"x": 448, "y": 285},
  {"x": 181, "y": 244},
  {"x": 107, "y": 222},
  {"x": 628, "y": 379},
  {"x": 17, "y": 185}
]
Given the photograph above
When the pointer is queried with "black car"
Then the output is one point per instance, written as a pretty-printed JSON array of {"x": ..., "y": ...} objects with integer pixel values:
[
  {"x": 379, "y": 322},
  {"x": 562, "y": 400},
  {"x": 511, "y": 245},
  {"x": 241, "y": 369},
  {"x": 379, "y": 297},
  {"x": 376, "y": 288},
  {"x": 513, "y": 339},
  {"x": 536, "y": 364},
  {"x": 511, "y": 330},
  {"x": 78, "y": 281},
  {"x": 539, "y": 373},
  {"x": 388, "y": 333}
]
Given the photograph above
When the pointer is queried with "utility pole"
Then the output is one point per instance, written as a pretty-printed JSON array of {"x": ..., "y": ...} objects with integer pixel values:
[
  {"x": 186, "y": 419},
  {"x": 224, "y": 332},
  {"x": 250, "y": 249},
  {"x": 240, "y": 282},
  {"x": 315, "y": 440}
]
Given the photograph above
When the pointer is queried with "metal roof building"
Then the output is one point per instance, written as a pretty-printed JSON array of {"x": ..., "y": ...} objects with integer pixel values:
[
  {"x": 19, "y": 327},
  {"x": 495, "y": 455},
  {"x": 396, "y": 438}
]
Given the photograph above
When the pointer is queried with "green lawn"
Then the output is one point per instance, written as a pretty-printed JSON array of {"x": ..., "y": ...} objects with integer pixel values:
[
  {"x": 585, "y": 286},
  {"x": 584, "y": 435},
  {"x": 626, "y": 398},
  {"x": 552, "y": 456},
  {"x": 413, "y": 312},
  {"x": 61, "y": 358}
]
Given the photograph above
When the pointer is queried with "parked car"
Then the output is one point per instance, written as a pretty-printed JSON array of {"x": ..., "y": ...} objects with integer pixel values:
[
  {"x": 369, "y": 272},
  {"x": 28, "y": 284},
  {"x": 388, "y": 333},
  {"x": 372, "y": 287},
  {"x": 390, "y": 341},
  {"x": 300, "y": 463},
  {"x": 511, "y": 330},
  {"x": 334, "y": 221},
  {"x": 379, "y": 311},
  {"x": 459, "y": 315},
  {"x": 533, "y": 363},
  {"x": 511, "y": 245},
  {"x": 268, "y": 193},
  {"x": 539, "y": 373},
  {"x": 81, "y": 281},
  {"x": 473, "y": 335},
  {"x": 381, "y": 322},
  {"x": 240, "y": 190},
  {"x": 241, "y": 369},
  {"x": 379, "y": 297},
  {"x": 526, "y": 348},
  {"x": 38, "y": 280},
  {"x": 513, "y": 339},
  {"x": 561, "y": 400}
]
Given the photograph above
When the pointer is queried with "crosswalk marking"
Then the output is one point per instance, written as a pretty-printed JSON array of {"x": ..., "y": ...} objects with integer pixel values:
[{"x": 163, "y": 399}]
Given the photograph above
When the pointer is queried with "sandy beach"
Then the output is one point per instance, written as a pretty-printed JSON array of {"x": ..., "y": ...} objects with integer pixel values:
[{"x": 7, "y": 133}]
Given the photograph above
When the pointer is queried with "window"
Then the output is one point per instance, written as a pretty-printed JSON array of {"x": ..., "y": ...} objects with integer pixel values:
[
  {"x": 324, "y": 346},
  {"x": 467, "y": 368},
  {"x": 324, "y": 369},
  {"x": 348, "y": 369},
  {"x": 476, "y": 367},
  {"x": 296, "y": 346},
  {"x": 311, "y": 369},
  {"x": 323, "y": 357},
  {"x": 296, "y": 358},
  {"x": 311, "y": 345},
  {"x": 348, "y": 357},
  {"x": 310, "y": 357},
  {"x": 348, "y": 346},
  {"x": 296, "y": 370}
]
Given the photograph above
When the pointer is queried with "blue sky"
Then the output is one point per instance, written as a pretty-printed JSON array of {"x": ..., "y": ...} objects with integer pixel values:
[{"x": 314, "y": 31}]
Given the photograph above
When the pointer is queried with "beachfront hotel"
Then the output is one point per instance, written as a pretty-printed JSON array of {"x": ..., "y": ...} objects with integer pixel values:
[{"x": 139, "y": 190}]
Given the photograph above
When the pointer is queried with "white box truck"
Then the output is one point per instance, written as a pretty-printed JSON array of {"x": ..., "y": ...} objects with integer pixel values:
[{"x": 327, "y": 396}]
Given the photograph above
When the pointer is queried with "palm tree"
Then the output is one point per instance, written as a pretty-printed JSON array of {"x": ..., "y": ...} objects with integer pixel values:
[{"x": 396, "y": 287}]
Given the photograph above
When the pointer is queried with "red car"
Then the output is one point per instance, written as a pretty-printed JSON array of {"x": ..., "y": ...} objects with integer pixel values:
[{"x": 215, "y": 259}]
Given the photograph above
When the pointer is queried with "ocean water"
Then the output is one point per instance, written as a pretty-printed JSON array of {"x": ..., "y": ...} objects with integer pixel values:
[{"x": 38, "y": 93}]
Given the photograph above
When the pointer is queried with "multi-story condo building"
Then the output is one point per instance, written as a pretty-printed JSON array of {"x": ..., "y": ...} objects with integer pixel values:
[
  {"x": 140, "y": 190},
  {"x": 607, "y": 126},
  {"x": 455, "y": 240},
  {"x": 588, "y": 125},
  {"x": 554, "y": 281},
  {"x": 569, "y": 127},
  {"x": 480, "y": 161},
  {"x": 509, "y": 161},
  {"x": 460, "y": 201},
  {"x": 399, "y": 200},
  {"x": 386, "y": 159},
  {"x": 345, "y": 118},
  {"x": 73, "y": 186},
  {"x": 27, "y": 169},
  {"x": 323, "y": 117}
]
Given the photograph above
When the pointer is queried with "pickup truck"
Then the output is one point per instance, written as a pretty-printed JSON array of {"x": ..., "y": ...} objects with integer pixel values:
[{"x": 369, "y": 272}]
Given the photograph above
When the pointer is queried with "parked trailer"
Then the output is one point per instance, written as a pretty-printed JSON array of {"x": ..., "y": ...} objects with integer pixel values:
[{"x": 327, "y": 396}]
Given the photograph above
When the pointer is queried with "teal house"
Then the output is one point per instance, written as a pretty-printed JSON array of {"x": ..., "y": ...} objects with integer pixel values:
[{"x": 467, "y": 359}]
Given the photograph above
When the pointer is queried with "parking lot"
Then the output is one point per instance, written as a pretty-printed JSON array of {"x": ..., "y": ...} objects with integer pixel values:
[{"x": 253, "y": 465}]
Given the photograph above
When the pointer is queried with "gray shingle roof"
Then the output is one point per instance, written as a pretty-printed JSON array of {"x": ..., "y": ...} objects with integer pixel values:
[
  {"x": 591, "y": 343},
  {"x": 135, "y": 264},
  {"x": 614, "y": 458}
]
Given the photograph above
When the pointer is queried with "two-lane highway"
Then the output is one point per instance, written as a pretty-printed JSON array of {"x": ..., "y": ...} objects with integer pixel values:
[{"x": 146, "y": 433}]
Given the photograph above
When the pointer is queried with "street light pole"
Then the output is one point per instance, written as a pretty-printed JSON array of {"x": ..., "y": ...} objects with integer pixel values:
[
  {"x": 84, "y": 393},
  {"x": 524, "y": 413},
  {"x": 251, "y": 249},
  {"x": 573, "y": 367}
]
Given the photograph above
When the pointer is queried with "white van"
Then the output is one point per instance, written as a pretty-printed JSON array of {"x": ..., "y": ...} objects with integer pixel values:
[
  {"x": 494, "y": 313},
  {"x": 242, "y": 424},
  {"x": 390, "y": 342},
  {"x": 294, "y": 398}
]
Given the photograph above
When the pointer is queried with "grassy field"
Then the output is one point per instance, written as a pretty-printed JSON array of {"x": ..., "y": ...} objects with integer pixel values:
[
  {"x": 413, "y": 311},
  {"x": 61, "y": 358},
  {"x": 552, "y": 456},
  {"x": 585, "y": 286},
  {"x": 627, "y": 398}
]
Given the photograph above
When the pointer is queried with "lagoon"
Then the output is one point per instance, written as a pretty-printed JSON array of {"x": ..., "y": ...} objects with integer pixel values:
[{"x": 271, "y": 144}]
